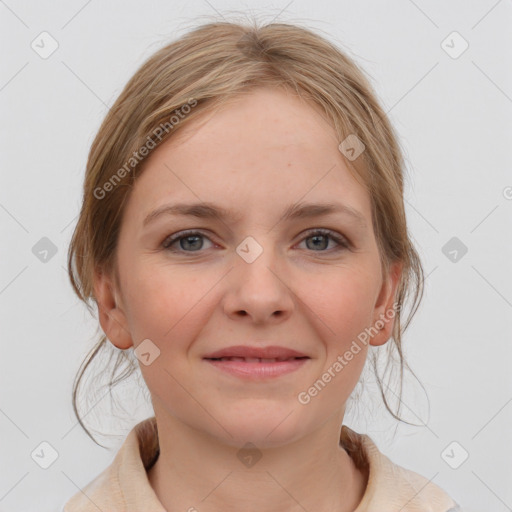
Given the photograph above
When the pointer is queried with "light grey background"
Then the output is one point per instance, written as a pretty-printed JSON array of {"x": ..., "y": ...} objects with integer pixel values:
[{"x": 454, "y": 119}]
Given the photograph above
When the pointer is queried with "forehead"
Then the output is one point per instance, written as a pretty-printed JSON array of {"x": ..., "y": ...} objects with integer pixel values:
[{"x": 259, "y": 150}]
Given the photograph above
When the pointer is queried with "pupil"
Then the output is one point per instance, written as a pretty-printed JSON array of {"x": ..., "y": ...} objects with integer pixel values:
[
  {"x": 316, "y": 237},
  {"x": 191, "y": 237}
]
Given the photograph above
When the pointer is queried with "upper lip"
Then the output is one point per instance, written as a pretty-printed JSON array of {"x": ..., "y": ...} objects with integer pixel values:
[{"x": 271, "y": 352}]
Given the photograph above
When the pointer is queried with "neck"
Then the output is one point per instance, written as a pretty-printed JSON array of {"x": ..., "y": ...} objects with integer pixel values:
[{"x": 202, "y": 473}]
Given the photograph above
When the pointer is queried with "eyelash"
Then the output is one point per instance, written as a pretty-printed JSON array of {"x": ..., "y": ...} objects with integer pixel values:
[{"x": 343, "y": 243}]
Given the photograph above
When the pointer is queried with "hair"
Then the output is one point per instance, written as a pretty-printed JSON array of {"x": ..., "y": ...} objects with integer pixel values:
[{"x": 201, "y": 71}]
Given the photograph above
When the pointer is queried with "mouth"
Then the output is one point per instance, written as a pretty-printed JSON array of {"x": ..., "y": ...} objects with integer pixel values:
[
  {"x": 255, "y": 359},
  {"x": 256, "y": 368}
]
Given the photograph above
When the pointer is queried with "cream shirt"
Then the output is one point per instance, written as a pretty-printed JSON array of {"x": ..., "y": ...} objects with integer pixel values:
[{"x": 124, "y": 486}]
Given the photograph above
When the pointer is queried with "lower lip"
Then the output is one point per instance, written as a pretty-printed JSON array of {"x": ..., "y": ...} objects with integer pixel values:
[{"x": 258, "y": 370}]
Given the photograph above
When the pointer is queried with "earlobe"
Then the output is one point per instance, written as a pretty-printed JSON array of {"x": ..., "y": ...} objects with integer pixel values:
[
  {"x": 385, "y": 307},
  {"x": 111, "y": 316}
]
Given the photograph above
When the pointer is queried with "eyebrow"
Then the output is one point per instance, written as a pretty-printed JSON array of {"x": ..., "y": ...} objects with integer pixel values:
[{"x": 206, "y": 210}]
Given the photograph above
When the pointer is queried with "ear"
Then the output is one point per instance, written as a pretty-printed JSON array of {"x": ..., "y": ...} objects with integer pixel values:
[
  {"x": 385, "y": 308},
  {"x": 111, "y": 315}
]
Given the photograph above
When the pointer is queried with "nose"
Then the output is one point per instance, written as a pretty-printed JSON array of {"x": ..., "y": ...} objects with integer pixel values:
[{"x": 258, "y": 291}]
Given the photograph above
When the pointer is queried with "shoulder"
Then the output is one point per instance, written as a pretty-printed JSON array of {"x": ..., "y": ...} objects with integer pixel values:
[
  {"x": 123, "y": 486},
  {"x": 392, "y": 487},
  {"x": 101, "y": 493}
]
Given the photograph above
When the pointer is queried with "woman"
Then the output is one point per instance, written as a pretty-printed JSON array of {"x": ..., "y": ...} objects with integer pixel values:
[{"x": 243, "y": 231}]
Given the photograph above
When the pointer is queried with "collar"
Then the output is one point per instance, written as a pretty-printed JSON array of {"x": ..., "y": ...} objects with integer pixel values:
[{"x": 124, "y": 485}]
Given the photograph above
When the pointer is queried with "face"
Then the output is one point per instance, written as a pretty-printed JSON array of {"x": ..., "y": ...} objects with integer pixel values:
[{"x": 254, "y": 278}]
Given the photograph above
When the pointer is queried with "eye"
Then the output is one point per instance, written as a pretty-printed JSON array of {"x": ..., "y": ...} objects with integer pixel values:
[
  {"x": 187, "y": 240},
  {"x": 193, "y": 241},
  {"x": 320, "y": 240}
]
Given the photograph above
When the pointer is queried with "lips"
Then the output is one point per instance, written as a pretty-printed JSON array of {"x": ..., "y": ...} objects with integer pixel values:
[
  {"x": 249, "y": 354},
  {"x": 255, "y": 359},
  {"x": 257, "y": 364}
]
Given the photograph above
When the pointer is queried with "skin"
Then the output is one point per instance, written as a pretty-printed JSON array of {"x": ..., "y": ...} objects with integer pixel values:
[{"x": 256, "y": 155}]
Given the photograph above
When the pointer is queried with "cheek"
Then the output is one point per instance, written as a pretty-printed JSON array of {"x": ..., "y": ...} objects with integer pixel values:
[
  {"x": 164, "y": 301},
  {"x": 344, "y": 302},
  {"x": 343, "y": 299},
  {"x": 168, "y": 307}
]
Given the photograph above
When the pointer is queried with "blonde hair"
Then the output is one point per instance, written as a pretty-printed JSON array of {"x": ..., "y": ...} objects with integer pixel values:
[{"x": 205, "y": 68}]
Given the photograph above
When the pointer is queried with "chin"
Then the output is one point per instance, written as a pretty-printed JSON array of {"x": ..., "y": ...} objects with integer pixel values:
[{"x": 264, "y": 430}]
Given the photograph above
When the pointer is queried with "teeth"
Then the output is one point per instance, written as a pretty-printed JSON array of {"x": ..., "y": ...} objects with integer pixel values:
[{"x": 256, "y": 359}]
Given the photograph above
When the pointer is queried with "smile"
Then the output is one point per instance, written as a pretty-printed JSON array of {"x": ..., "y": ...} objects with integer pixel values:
[
  {"x": 254, "y": 368},
  {"x": 255, "y": 359}
]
